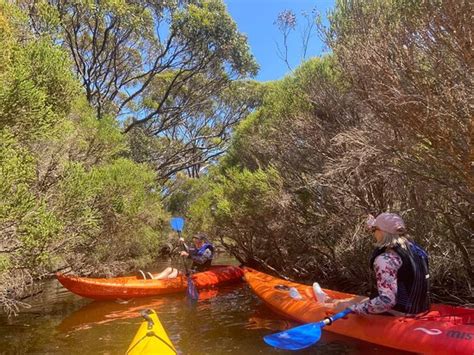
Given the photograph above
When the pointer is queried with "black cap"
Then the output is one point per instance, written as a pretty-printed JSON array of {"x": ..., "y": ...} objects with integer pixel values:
[{"x": 200, "y": 236}]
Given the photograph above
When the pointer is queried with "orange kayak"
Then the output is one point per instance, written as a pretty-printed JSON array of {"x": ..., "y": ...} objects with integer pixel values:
[
  {"x": 443, "y": 330},
  {"x": 133, "y": 287}
]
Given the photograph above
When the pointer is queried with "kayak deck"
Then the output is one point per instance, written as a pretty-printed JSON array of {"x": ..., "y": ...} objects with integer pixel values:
[
  {"x": 444, "y": 330},
  {"x": 151, "y": 338},
  {"x": 133, "y": 287}
]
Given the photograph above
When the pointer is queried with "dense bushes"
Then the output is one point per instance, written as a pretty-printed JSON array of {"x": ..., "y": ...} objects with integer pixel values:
[
  {"x": 102, "y": 106},
  {"x": 382, "y": 124},
  {"x": 68, "y": 197}
]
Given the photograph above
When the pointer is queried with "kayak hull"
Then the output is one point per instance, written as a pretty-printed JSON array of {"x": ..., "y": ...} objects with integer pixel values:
[
  {"x": 435, "y": 333},
  {"x": 151, "y": 339},
  {"x": 134, "y": 287}
]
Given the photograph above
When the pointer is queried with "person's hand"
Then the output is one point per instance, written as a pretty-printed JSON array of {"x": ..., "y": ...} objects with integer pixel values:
[
  {"x": 181, "y": 239},
  {"x": 184, "y": 253},
  {"x": 340, "y": 306}
]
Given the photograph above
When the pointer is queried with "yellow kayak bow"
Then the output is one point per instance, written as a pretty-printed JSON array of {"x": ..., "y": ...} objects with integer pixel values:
[{"x": 151, "y": 337}]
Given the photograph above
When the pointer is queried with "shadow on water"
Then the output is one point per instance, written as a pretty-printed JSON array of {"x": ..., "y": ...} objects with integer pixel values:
[{"x": 226, "y": 320}]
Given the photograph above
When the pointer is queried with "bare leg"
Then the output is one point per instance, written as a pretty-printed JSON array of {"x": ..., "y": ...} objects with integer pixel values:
[
  {"x": 164, "y": 274},
  {"x": 168, "y": 273},
  {"x": 173, "y": 274}
]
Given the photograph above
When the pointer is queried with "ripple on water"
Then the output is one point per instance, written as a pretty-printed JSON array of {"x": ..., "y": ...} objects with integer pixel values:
[{"x": 225, "y": 320}]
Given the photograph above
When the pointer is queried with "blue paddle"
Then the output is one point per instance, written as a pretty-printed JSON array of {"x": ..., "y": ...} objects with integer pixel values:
[
  {"x": 177, "y": 224},
  {"x": 303, "y": 336}
]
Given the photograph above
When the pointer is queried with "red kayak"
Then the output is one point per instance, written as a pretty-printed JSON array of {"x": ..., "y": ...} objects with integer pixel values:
[
  {"x": 443, "y": 330},
  {"x": 133, "y": 287}
]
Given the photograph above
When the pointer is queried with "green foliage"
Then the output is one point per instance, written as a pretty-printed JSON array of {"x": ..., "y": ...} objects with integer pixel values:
[
  {"x": 68, "y": 196},
  {"x": 164, "y": 68},
  {"x": 17, "y": 175},
  {"x": 283, "y": 103},
  {"x": 116, "y": 203},
  {"x": 209, "y": 25},
  {"x": 4, "y": 263},
  {"x": 95, "y": 141},
  {"x": 36, "y": 88},
  {"x": 200, "y": 205},
  {"x": 183, "y": 190},
  {"x": 128, "y": 185},
  {"x": 242, "y": 194},
  {"x": 324, "y": 69},
  {"x": 382, "y": 124},
  {"x": 241, "y": 198},
  {"x": 37, "y": 233},
  {"x": 381, "y": 15}
]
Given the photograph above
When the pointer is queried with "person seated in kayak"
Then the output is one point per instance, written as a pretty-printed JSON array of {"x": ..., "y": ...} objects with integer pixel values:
[
  {"x": 401, "y": 272},
  {"x": 201, "y": 255}
]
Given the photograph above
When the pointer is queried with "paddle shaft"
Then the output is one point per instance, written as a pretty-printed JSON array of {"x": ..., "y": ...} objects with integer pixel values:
[
  {"x": 183, "y": 258},
  {"x": 177, "y": 224},
  {"x": 335, "y": 317}
]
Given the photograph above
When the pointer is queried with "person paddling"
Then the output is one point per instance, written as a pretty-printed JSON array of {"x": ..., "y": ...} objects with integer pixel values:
[
  {"x": 401, "y": 272},
  {"x": 201, "y": 254}
]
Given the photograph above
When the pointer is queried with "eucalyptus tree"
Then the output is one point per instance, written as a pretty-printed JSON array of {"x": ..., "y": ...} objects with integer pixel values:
[
  {"x": 195, "y": 132},
  {"x": 161, "y": 67}
]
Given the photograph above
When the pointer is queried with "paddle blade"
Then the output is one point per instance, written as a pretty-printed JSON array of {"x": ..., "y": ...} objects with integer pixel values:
[
  {"x": 303, "y": 336},
  {"x": 177, "y": 224},
  {"x": 296, "y": 338},
  {"x": 192, "y": 292}
]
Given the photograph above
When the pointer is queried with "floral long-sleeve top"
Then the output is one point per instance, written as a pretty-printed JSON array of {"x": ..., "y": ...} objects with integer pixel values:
[{"x": 386, "y": 266}]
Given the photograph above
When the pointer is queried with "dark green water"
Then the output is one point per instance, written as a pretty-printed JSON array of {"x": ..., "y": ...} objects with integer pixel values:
[{"x": 230, "y": 320}]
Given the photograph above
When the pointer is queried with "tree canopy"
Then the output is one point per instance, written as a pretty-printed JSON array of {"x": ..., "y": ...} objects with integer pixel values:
[{"x": 165, "y": 69}]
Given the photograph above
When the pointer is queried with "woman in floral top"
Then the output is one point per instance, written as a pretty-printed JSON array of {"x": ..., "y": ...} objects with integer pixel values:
[{"x": 401, "y": 272}]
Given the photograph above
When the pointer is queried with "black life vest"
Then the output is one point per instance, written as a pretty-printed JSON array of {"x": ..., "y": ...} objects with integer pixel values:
[{"x": 412, "y": 278}]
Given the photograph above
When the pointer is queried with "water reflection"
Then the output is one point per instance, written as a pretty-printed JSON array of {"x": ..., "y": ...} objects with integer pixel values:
[
  {"x": 102, "y": 312},
  {"x": 227, "y": 320},
  {"x": 263, "y": 319}
]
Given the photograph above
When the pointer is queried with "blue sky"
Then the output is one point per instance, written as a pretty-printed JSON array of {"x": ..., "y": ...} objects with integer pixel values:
[{"x": 255, "y": 18}]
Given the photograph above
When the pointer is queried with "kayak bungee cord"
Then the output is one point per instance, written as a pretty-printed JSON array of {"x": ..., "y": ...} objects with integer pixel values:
[{"x": 149, "y": 334}]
